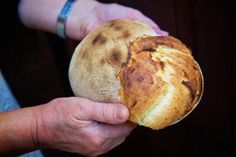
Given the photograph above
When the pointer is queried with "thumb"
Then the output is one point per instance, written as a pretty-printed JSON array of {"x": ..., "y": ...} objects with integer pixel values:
[{"x": 108, "y": 113}]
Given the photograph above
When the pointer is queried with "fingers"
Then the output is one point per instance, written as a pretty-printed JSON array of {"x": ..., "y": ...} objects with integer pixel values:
[
  {"x": 84, "y": 109},
  {"x": 155, "y": 27},
  {"x": 135, "y": 14},
  {"x": 110, "y": 136},
  {"x": 108, "y": 113},
  {"x": 118, "y": 130},
  {"x": 101, "y": 112},
  {"x": 119, "y": 11}
]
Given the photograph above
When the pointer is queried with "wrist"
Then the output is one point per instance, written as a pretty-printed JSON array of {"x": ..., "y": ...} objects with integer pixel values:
[
  {"x": 43, "y": 129},
  {"x": 50, "y": 119}
]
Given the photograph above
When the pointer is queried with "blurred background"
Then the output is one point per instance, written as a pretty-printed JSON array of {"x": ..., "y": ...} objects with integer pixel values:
[{"x": 35, "y": 65}]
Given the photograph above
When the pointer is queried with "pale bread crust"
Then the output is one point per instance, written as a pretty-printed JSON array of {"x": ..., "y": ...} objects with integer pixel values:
[{"x": 98, "y": 62}]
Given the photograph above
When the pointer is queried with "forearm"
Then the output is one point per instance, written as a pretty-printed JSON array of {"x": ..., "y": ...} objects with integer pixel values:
[
  {"x": 18, "y": 131},
  {"x": 72, "y": 124},
  {"x": 42, "y": 14}
]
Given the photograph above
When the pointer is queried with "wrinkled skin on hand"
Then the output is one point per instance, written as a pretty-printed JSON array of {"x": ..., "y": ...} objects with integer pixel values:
[{"x": 81, "y": 126}]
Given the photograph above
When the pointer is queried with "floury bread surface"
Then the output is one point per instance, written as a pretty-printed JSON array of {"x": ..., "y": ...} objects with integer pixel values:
[{"x": 125, "y": 61}]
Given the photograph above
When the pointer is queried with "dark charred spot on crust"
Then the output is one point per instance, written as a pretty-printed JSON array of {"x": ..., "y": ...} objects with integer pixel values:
[
  {"x": 126, "y": 34},
  {"x": 153, "y": 41},
  {"x": 113, "y": 23},
  {"x": 190, "y": 85},
  {"x": 115, "y": 56},
  {"x": 152, "y": 49},
  {"x": 195, "y": 67},
  {"x": 146, "y": 44},
  {"x": 117, "y": 27},
  {"x": 102, "y": 61},
  {"x": 149, "y": 46},
  {"x": 134, "y": 103},
  {"x": 185, "y": 74},
  {"x": 132, "y": 70},
  {"x": 162, "y": 64},
  {"x": 99, "y": 39},
  {"x": 84, "y": 55}
]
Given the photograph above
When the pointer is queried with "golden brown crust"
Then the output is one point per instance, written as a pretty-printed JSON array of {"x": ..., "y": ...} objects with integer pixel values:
[
  {"x": 160, "y": 71},
  {"x": 148, "y": 43}
]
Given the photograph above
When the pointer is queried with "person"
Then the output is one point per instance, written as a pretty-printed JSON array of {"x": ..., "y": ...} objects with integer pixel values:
[{"x": 72, "y": 124}]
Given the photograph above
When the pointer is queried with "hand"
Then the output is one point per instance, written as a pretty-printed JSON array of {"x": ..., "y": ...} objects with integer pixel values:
[
  {"x": 84, "y": 17},
  {"x": 81, "y": 126},
  {"x": 97, "y": 13}
]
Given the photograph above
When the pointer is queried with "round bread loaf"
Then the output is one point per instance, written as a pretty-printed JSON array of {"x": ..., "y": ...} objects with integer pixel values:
[{"x": 125, "y": 61}]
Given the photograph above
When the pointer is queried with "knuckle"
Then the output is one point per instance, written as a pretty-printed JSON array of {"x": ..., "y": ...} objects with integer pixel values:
[
  {"x": 94, "y": 145},
  {"x": 97, "y": 142},
  {"x": 58, "y": 101}
]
